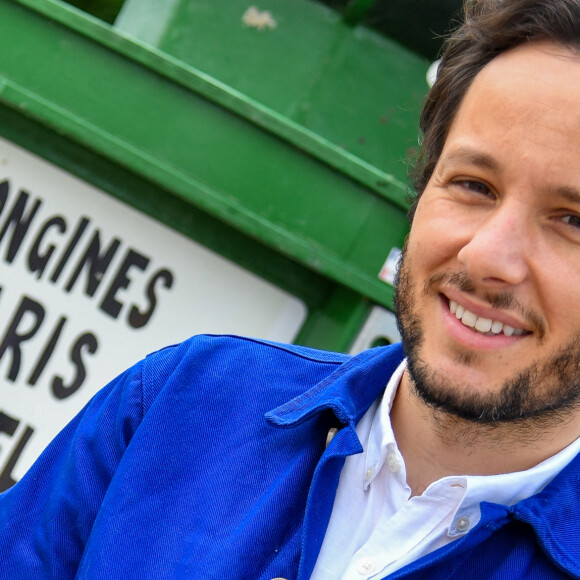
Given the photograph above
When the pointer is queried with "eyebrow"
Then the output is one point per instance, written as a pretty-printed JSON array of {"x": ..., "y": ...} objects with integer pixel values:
[
  {"x": 570, "y": 194},
  {"x": 470, "y": 156}
]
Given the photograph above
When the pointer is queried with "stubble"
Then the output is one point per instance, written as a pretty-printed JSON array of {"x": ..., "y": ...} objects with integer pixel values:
[{"x": 544, "y": 392}]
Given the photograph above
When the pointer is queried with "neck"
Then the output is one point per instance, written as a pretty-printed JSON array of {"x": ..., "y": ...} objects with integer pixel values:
[{"x": 436, "y": 444}]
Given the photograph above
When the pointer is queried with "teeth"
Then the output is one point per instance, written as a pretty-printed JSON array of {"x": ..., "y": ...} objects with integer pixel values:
[
  {"x": 483, "y": 325},
  {"x": 469, "y": 319}
]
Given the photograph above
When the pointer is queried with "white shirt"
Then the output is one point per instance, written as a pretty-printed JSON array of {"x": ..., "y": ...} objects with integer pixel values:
[{"x": 376, "y": 527}]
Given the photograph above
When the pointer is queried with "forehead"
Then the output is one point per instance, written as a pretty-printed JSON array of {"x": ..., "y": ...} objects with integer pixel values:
[{"x": 525, "y": 100}]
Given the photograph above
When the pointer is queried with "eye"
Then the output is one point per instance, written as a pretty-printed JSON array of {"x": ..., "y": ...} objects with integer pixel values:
[
  {"x": 474, "y": 186},
  {"x": 572, "y": 220}
]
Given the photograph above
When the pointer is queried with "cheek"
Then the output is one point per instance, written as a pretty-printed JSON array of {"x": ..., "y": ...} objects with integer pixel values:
[
  {"x": 430, "y": 244},
  {"x": 555, "y": 291},
  {"x": 442, "y": 229}
]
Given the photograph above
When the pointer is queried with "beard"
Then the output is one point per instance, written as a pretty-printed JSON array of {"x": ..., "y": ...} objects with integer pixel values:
[{"x": 547, "y": 390}]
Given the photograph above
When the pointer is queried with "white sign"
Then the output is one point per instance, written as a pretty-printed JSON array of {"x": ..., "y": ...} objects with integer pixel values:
[{"x": 88, "y": 286}]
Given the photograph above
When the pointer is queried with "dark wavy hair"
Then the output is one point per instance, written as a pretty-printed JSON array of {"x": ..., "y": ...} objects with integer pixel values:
[{"x": 489, "y": 28}]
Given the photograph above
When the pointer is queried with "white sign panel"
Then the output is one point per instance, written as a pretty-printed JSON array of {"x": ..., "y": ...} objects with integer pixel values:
[{"x": 88, "y": 286}]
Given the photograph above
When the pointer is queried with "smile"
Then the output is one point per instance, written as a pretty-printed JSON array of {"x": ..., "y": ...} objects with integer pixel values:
[{"x": 485, "y": 326}]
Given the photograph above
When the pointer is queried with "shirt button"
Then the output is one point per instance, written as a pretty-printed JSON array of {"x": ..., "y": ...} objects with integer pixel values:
[
  {"x": 393, "y": 463},
  {"x": 366, "y": 566},
  {"x": 462, "y": 524},
  {"x": 369, "y": 473}
]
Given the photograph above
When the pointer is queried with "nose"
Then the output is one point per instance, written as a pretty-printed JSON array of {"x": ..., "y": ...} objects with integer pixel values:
[{"x": 498, "y": 246}]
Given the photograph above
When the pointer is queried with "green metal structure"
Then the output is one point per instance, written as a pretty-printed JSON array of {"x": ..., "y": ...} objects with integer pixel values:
[{"x": 281, "y": 146}]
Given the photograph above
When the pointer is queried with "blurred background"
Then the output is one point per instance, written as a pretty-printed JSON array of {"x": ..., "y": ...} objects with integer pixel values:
[
  {"x": 174, "y": 167},
  {"x": 416, "y": 24}
]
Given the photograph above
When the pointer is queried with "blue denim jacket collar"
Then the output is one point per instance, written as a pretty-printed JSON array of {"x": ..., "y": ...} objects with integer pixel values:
[
  {"x": 554, "y": 513},
  {"x": 348, "y": 392}
]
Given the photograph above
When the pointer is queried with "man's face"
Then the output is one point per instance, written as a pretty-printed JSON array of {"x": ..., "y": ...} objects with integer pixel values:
[{"x": 489, "y": 290}]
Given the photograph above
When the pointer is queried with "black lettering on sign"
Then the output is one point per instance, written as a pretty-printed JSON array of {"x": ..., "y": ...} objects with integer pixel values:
[
  {"x": 97, "y": 264},
  {"x": 138, "y": 319},
  {"x": 52, "y": 246},
  {"x": 28, "y": 318},
  {"x": 19, "y": 223},
  {"x": 47, "y": 352},
  {"x": 6, "y": 479},
  {"x": 15, "y": 336},
  {"x": 87, "y": 341},
  {"x": 8, "y": 425},
  {"x": 4, "y": 188},
  {"x": 81, "y": 227},
  {"x": 37, "y": 261},
  {"x": 110, "y": 304}
]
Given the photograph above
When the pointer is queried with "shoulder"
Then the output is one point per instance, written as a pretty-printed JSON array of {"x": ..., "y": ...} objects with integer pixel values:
[
  {"x": 231, "y": 344},
  {"x": 233, "y": 364},
  {"x": 207, "y": 350}
]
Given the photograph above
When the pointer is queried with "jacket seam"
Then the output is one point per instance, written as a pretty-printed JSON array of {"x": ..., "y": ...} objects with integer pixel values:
[{"x": 339, "y": 360}]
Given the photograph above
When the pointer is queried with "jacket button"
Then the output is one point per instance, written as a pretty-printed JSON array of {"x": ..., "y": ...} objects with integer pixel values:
[
  {"x": 331, "y": 433},
  {"x": 278, "y": 578}
]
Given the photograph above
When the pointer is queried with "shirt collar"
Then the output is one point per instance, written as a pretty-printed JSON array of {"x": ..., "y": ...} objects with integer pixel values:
[
  {"x": 348, "y": 391},
  {"x": 506, "y": 489},
  {"x": 511, "y": 488},
  {"x": 382, "y": 444}
]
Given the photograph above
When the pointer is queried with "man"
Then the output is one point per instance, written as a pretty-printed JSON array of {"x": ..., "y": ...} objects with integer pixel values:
[{"x": 234, "y": 458}]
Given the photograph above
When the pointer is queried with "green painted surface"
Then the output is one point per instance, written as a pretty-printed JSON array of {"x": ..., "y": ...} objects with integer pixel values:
[
  {"x": 340, "y": 320},
  {"x": 355, "y": 88},
  {"x": 335, "y": 313},
  {"x": 290, "y": 163}
]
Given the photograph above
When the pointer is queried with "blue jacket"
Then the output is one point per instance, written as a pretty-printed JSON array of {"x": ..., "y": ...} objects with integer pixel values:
[{"x": 207, "y": 460}]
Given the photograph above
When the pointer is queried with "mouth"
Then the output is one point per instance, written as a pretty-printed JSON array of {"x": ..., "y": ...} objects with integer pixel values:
[{"x": 485, "y": 326}]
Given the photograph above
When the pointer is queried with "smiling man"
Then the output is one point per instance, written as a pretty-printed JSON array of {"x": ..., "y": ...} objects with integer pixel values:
[
  {"x": 453, "y": 456},
  {"x": 487, "y": 310}
]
